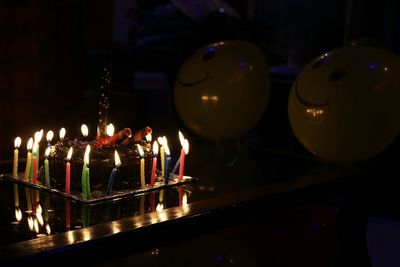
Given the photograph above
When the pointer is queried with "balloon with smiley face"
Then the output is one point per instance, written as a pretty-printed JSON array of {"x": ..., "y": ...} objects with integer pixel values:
[
  {"x": 222, "y": 90},
  {"x": 345, "y": 105}
]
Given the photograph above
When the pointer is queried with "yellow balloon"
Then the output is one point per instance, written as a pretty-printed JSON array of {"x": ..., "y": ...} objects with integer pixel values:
[
  {"x": 345, "y": 105},
  {"x": 222, "y": 90}
]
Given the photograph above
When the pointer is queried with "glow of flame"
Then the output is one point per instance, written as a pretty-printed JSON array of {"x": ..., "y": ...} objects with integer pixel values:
[
  {"x": 17, "y": 142},
  {"x": 84, "y": 130},
  {"x": 184, "y": 199},
  {"x": 30, "y": 144},
  {"x": 110, "y": 129},
  {"x": 48, "y": 229},
  {"x": 30, "y": 223},
  {"x": 49, "y": 136},
  {"x": 69, "y": 155},
  {"x": 36, "y": 225},
  {"x": 39, "y": 209},
  {"x": 40, "y": 218},
  {"x": 185, "y": 146},
  {"x": 149, "y": 137},
  {"x": 155, "y": 148},
  {"x": 166, "y": 149},
  {"x": 117, "y": 159},
  {"x": 140, "y": 149},
  {"x": 18, "y": 214},
  {"x": 160, "y": 207},
  {"x": 62, "y": 133},
  {"x": 160, "y": 140},
  {"x": 86, "y": 156},
  {"x": 38, "y": 136},
  {"x": 35, "y": 147},
  {"x": 47, "y": 152},
  {"x": 181, "y": 138}
]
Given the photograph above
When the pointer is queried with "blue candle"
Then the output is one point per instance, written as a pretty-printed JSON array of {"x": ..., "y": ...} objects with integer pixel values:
[
  {"x": 167, "y": 164},
  {"x": 178, "y": 162},
  {"x": 113, "y": 173}
]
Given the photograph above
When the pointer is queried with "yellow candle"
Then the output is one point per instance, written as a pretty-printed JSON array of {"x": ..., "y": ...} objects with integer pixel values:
[
  {"x": 28, "y": 158},
  {"x": 142, "y": 180},
  {"x": 17, "y": 143}
]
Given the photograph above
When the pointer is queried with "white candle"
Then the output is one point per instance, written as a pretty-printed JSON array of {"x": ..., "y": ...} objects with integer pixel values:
[{"x": 17, "y": 143}]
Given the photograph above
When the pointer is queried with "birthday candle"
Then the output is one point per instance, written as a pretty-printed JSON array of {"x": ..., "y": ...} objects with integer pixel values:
[
  {"x": 117, "y": 161},
  {"x": 167, "y": 163},
  {"x": 68, "y": 172},
  {"x": 142, "y": 180},
  {"x": 177, "y": 164},
  {"x": 17, "y": 143},
  {"x": 162, "y": 156},
  {"x": 85, "y": 174},
  {"x": 184, "y": 151},
  {"x": 34, "y": 163},
  {"x": 46, "y": 167},
  {"x": 49, "y": 137},
  {"x": 154, "y": 167},
  {"x": 28, "y": 158},
  {"x": 37, "y": 138}
]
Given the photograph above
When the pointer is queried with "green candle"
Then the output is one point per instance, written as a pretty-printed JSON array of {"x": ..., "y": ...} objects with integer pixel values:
[
  {"x": 85, "y": 174},
  {"x": 46, "y": 168}
]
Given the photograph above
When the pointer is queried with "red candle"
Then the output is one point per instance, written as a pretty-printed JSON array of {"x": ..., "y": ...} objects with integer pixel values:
[
  {"x": 68, "y": 172},
  {"x": 184, "y": 151},
  {"x": 34, "y": 170},
  {"x": 154, "y": 167}
]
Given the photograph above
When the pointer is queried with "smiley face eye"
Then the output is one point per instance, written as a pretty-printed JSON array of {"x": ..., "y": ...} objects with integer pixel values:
[{"x": 209, "y": 54}]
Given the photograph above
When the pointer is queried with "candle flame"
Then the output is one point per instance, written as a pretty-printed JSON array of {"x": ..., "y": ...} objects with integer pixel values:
[
  {"x": 49, "y": 136},
  {"x": 86, "y": 156},
  {"x": 140, "y": 149},
  {"x": 117, "y": 159},
  {"x": 160, "y": 140},
  {"x": 148, "y": 137},
  {"x": 181, "y": 137},
  {"x": 30, "y": 144},
  {"x": 69, "y": 155},
  {"x": 84, "y": 130},
  {"x": 30, "y": 222},
  {"x": 39, "y": 209},
  {"x": 18, "y": 214},
  {"x": 166, "y": 149},
  {"x": 160, "y": 207},
  {"x": 35, "y": 147},
  {"x": 36, "y": 225},
  {"x": 62, "y": 133},
  {"x": 155, "y": 148},
  {"x": 47, "y": 152},
  {"x": 38, "y": 136},
  {"x": 110, "y": 129},
  {"x": 48, "y": 229},
  {"x": 17, "y": 142},
  {"x": 185, "y": 146}
]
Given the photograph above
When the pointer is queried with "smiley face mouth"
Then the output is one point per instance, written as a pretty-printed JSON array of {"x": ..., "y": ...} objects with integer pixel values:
[
  {"x": 207, "y": 77},
  {"x": 310, "y": 104}
]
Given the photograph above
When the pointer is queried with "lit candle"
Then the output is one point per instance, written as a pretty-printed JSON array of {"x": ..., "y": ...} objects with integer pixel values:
[
  {"x": 184, "y": 152},
  {"x": 28, "y": 158},
  {"x": 167, "y": 163},
  {"x": 148, "y": 139},
  {"x": 110, "y": 129},
  {"x": 177, "y": 164},
  {"x": 68, "y": 172},
  {"x": 154, "y": 167},
  {"x": 49, "y": 137},
  {"x": 62, "y": 133},
  {"x": 84, "y": 130},
  {"x": 162, "y": 156},
  {"x": 37, "y": 138},
  {"x": 17, "y": 143},
  {"x": 117, "y": 161},
  {"x": 46, "y": 167},
  {"x": 142, "y": 181},
  {"x": 85, "y": 174},
  {"x": 34, "y": 163}
]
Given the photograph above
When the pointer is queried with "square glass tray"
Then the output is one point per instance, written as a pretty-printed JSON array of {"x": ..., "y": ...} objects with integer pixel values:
[{"x": 97, "y": 196}]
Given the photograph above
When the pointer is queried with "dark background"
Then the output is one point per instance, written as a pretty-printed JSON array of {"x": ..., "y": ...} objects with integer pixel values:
[{"x": 52, "y": 53}]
